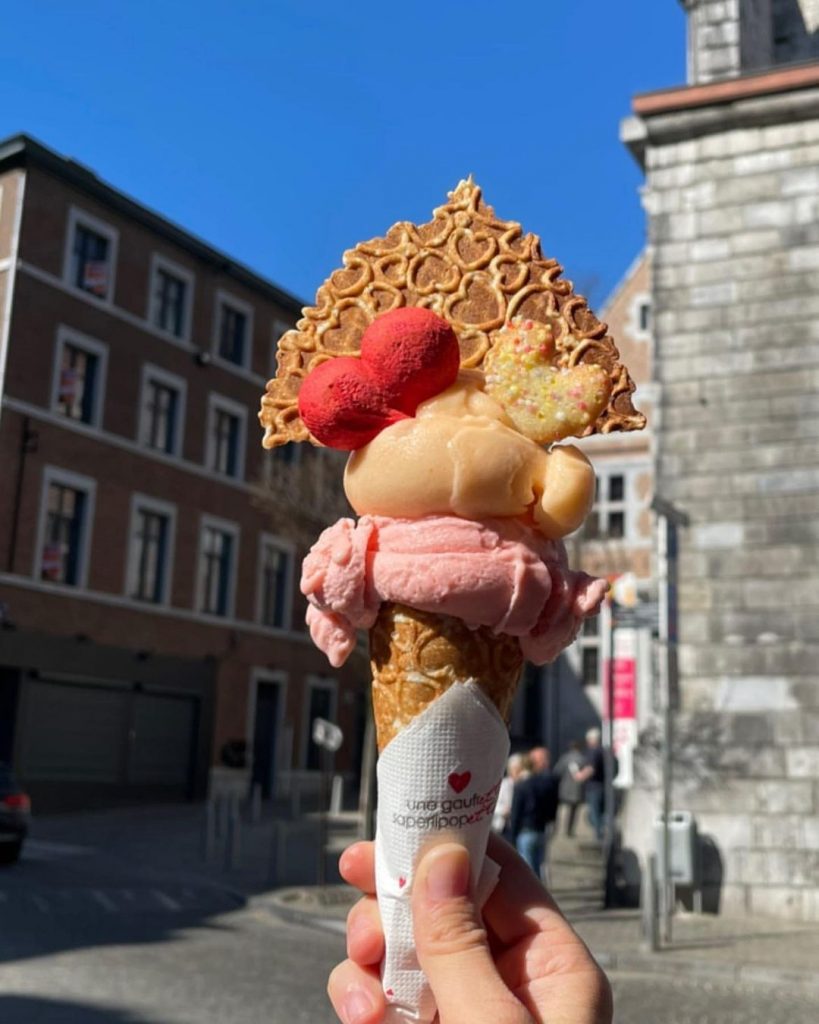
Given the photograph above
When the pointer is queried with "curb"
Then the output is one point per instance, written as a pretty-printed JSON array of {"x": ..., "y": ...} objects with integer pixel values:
[
  {"x": 741, "y": 974},
  {"x": 806, "y": 982}
]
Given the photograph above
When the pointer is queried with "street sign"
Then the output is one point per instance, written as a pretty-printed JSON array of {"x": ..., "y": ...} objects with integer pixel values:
[{"x": 327, "y": 735}]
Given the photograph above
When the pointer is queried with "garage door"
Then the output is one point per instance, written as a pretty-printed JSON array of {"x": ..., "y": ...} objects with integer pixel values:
[{"x": 112, "y": 735}]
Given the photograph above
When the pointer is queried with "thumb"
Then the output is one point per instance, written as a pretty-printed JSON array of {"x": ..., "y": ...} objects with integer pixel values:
[{"x": 451, "y": 944}]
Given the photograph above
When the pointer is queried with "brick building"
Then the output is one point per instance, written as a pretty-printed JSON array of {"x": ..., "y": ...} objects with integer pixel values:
[
  {"x": 732, "y": 200},
  {"x": 149, "y": 605}
]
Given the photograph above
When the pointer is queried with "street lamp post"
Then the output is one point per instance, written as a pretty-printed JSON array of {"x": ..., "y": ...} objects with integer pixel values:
[{"x": 669, "y": 519}]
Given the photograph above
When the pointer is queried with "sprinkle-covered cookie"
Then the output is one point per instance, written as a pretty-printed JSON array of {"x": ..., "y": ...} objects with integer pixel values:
[{"x": 545, "y": 402}]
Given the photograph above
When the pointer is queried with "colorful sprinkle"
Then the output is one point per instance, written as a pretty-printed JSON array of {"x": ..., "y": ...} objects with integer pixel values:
[{"x": 545, "y": 402}]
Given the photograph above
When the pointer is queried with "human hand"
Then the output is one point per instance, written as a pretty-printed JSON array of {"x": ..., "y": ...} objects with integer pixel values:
[{"x": 521, "y": 964}]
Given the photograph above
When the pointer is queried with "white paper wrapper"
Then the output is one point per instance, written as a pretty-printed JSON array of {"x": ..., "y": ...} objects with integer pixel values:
[{"x": 438, "y": 778}]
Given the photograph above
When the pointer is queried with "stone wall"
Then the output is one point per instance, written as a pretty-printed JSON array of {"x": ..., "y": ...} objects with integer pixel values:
[
  {"x": 713, "y": 39},
  {"x": 734, "y": 228},
  {"x": 733, "y": 37}
]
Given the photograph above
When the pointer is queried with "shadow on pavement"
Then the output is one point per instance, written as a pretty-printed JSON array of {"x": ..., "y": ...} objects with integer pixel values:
[
  {"x": 139, "y": 875},
  {"x": 34, "y": 1010}
]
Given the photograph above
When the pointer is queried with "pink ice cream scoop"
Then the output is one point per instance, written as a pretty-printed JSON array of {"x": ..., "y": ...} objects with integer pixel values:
[{"x": 496, "y": 573}]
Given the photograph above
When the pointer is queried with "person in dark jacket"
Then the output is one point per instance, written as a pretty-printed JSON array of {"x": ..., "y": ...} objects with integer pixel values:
[
  {"x": 534, "y": 809},
  {"x": 570, "y": 791},
  {"x": 593, "y": 774}
]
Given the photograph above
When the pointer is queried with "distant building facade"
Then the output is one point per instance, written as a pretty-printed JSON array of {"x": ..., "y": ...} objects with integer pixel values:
[
  {"x": 148, "y": 599},
  {"x": 732, "y": 199}
]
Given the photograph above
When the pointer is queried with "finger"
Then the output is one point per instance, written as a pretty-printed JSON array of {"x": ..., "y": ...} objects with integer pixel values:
[
  {"x": 546, "y": 964},
  {"x": 451, "y": 943},
  {"x": 365, "y": 936},
  {"x": 356, "y": 995},
  {"x": 519, "y": 905},
  {"x": 357, "y": 867}
]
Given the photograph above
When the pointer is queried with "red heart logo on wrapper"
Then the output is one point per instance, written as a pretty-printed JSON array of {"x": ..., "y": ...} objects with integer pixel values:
[
  {"x": 401, "y": 883},
  {"x": 459, "y": 781},
  {"x": 389, "y": 993}
]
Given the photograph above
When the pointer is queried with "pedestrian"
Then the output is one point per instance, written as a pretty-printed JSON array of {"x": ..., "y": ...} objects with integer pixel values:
[
  {"x": 534, "y": 808},
  {"x": 541, "y": 762},
  {"x": 570, "y": 790},
  {"x": 593, "y": 774},
  {"x": 503, "y": 807}
]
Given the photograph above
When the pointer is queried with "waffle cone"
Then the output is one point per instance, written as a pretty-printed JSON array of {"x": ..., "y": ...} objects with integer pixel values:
[{"x": 416, "y": 656}]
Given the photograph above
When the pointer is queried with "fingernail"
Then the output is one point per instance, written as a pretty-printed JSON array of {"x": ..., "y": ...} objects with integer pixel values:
[
  {"x": 357, "y": 1005},
  {"x": 448, "y": 873}
]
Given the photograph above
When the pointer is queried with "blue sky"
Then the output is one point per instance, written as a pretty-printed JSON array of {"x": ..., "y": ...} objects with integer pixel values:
[{"x": 284, "y": 132}]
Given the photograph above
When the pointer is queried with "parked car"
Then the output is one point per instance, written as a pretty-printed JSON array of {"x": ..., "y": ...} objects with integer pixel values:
[{"x": 15, "y": 810}]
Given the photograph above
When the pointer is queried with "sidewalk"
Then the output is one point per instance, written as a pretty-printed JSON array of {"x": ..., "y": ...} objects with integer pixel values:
[{"x": 749, "y": 950}]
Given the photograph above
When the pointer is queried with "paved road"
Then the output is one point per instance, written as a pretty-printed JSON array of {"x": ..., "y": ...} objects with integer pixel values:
[
  {"x": 649, "y": 999},
  {"x": 90, "y": 939},
  {"x": 86, "y": 940}
]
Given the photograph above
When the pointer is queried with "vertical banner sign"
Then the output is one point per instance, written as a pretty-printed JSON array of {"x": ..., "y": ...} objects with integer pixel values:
[{"x": 624, "y": 726}]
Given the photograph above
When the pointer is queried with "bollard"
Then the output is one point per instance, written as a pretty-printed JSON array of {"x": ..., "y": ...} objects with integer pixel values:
[
  {"x": 256, "y": 803},
  {"x": 650, "y": 916},
  {"x": 233, "y": 832},
  {"x": 337, "y": 795},
  {"x": 209, "y": 838}
]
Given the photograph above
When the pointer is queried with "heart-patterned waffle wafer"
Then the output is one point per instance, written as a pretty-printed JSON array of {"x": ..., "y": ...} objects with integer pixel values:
[
  {"x": 468, "y": 266},
  {"x": 546, "y": 402}
]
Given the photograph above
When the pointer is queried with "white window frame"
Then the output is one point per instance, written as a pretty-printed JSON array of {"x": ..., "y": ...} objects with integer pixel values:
[
  {"x": 228, "y": 405},
  {"x": 639, "y": 300},
  {"x": 139, "y": 503},
  {"x": 631, "y": 505},
  {"x": 67, "y": 335},
  {"x": 227, "y": 526},
  {"x": 161, "y": 262},
  {"x": 225, "y": 298},
  {"x": 288, "y": 548},
  {"x": 76, "y": 215},
  {"x": 280, "y": 679},
  {"x": 315, "y": 683},
  {"x": 151, "y": 372},
  {"x": 66, "y": 478}
]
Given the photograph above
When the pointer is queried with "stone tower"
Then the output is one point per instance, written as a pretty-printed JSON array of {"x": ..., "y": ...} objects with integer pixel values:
[{"x": 732, "y": 201}]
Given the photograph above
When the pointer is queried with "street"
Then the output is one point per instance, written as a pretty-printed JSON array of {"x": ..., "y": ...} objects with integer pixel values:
[
  {"x": 86, "y": 940},
  {"x": 92, "y": 938}
]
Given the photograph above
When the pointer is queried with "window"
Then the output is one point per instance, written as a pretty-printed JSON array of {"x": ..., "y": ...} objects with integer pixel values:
[
  {"x": 79, "y": 377},
  {"x": 644, "y": 316},
  {"x": 233, "y": 324},
  {"x": 150, "y": 551},
  {"x": 217, "y": 560},
  {"x": 170, "y": 298},
  {"x": 275, "y": 582},
  {"x": 90, "y": 259},
  {"x": 640, "y": 314},
  {"x": 162, "y": 410},
  {"x": 608, "y": 516},
  {"x": 226, "y": 436},
  {"x": 65, "y": 527},
  {"x": 321, "y": 703},
  {"x": 589, "y": 644}
]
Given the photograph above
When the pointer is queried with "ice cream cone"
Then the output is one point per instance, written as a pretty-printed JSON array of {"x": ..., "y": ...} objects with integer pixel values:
[{"x": 417, "y": 656}]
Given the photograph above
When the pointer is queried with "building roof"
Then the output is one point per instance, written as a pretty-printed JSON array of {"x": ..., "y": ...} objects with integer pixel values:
[
  {"x": 764, "y": 83},
  {"x": 634, "y": 266},
  {"x": 22, "y": 151}
]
